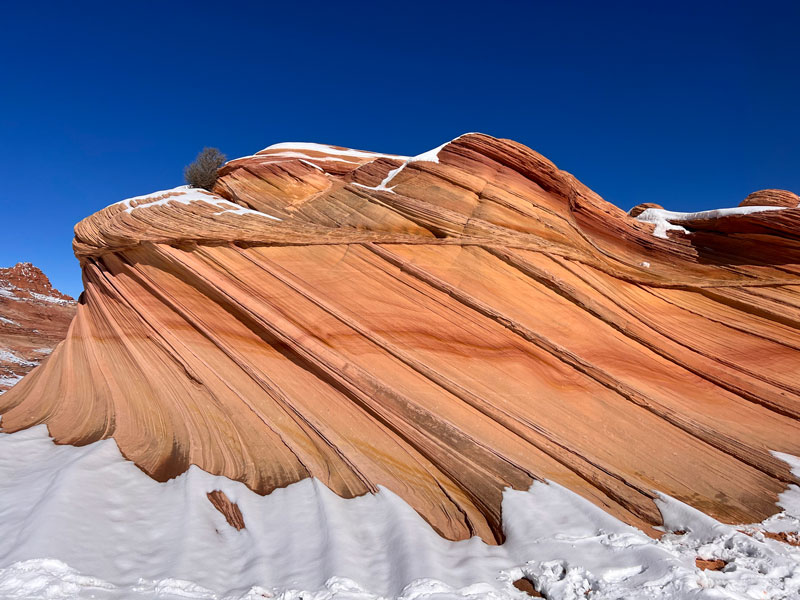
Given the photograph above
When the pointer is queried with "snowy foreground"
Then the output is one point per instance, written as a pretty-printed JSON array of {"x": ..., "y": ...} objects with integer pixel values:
[{"x": 85, "y": 523}]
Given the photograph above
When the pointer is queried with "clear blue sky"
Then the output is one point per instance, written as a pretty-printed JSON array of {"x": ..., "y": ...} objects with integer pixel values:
[{"x": 691, "y": 105}]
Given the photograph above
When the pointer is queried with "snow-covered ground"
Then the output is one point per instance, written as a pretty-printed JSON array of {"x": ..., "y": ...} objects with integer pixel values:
[{"x": 85, "y": 523}]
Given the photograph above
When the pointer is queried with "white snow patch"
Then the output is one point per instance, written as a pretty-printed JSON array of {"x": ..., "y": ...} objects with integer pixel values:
[
  {"x": 304, "y": 157},
  {"x": 663, "y": 219},
  {"x": 789, "y": 500},
  {"x": 46, "y": 578},
  {"x": 8, "y": 356},
  {"x": 662, "y": 225},
  {"x": 645, "y": 264},
  {"x": 9, "y": 381},
  {"x": 300, "y": 150},
  {"x": 52, "y": 299},
  {"x": 240, "y": 210},
  {"x": 187, "y": 195},
  {"x": 8, "y": 291},
  {"x": 433, "y": 155},
  {"x": 429, "y": 156},
  {"x": 310, "y": 164},
  {"x": 43, "y": 350},
  {"x": 9, "y": 322},
  {"x": 103, "y": 528},
  {"x": 326, "y": 149},
  {"x": 381, "y": 187},
  {"x": 792, "y": 461},
  {"x": 756, "y": 568}
]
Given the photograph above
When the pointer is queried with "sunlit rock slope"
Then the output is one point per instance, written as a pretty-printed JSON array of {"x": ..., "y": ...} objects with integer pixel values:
[{"x": 446, "y": 326}]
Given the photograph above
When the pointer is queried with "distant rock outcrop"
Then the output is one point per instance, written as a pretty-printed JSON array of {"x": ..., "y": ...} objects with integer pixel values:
[
  {"x": 34, "y": 317},
  {"x": 446, "y": 325}
]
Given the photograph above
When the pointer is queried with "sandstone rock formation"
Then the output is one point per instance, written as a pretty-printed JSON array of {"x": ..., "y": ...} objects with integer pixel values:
[
  {"x": 33, "y": 318},
  {"x": 772, "y": 198},
  {"x": 640, "y": 208},
  {"x": 445, "y": 325}
]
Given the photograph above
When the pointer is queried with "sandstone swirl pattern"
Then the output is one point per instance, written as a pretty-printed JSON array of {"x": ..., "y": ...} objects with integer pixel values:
[{"x": 444, "y": 326}]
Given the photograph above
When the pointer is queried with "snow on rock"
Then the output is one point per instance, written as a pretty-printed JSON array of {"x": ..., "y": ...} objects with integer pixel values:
[
  {"x": 8, "y": 381},
  {"x": 299, "y": 147},
  {"x": 382, "y": 186},
  {"x": 10, "y": 357},
  {"x": 52, "y": 299},
  {"x": 312, "y": 153},
  {"x": 429, "y": 156},
  {"x": 755, "y": 568},
  {"x": 187, "y": 195},
  {"x": 310, "y": 164},
  {"x": 662, "y": 225},
  {"x": 787, "y": 521},
  {"x": 24, "y": 281},
  {"x": 664, "y": 220}
]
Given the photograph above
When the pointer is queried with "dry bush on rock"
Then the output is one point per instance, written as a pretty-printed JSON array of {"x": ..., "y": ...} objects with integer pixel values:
[{"x": 202, "y": 173}]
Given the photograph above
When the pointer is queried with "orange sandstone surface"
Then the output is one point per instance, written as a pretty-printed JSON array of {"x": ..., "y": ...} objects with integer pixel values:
[{"x": 445, "y": 326}]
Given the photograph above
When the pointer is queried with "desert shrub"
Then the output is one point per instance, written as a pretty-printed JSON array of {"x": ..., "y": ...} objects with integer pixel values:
[{"x": 202, "y": 173}]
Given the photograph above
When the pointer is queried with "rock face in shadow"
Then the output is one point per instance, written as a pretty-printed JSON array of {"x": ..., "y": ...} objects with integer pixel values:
[
  {"x": 446, "y": 326},
  {"x": 34, "y": 317}
]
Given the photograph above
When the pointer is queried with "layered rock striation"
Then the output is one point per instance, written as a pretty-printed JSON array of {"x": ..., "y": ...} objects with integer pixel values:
[
  {"x": 34, "y": 317},
  {"x": 445, "y": 326}
]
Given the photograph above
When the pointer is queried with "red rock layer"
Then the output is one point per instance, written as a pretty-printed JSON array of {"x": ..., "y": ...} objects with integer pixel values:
[
  {"x": 445, "y": 326},
  {"x": 772, "y": 198},
  {"x": 34, "y": 317}
]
